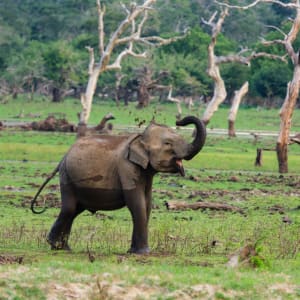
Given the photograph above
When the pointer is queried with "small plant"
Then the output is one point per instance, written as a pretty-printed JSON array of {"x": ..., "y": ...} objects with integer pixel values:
[{"x": 258, "y": 260}]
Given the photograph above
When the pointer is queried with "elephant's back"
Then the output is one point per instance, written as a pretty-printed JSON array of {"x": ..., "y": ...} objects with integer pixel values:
[{"x": 92, "y": 161}]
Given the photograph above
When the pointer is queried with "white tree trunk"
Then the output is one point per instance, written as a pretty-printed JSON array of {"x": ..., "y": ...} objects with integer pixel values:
[
  {"x": 238, "y": 96},
  {"x": 213, "y": 70},
  {"x": 87, "y": 97},
  {"x": 218, "y": 97}
]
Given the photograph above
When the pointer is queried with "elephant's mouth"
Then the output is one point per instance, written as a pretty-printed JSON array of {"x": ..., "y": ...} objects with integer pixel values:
[{"x": 179, "y": 166}]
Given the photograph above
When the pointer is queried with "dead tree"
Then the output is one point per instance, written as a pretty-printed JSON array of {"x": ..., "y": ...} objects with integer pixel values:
[
  {"x": 136, "y": 16},
  {"x": 286, "y": 114},
  {"x": 258, "y": 159},
  {"x": 213, "y": 69},
  {"x": 293, "y": 86},
  {"x": 243, "y": 57},
  {"x": 143, "y": 91},
  {"x": 177, "y": 101},
  {"x": 292, "y": 93},
  {"x": 119, "y": 78},
  {"x": 127, "y": 92},
  {"x": 147, "y": 84},
  {"x": 259, "y": 153},
  {"x": 238, "y": 96}
]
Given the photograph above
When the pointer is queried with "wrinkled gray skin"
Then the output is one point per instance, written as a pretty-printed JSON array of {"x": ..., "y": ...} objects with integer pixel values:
[{"x": 106, "y": 172}]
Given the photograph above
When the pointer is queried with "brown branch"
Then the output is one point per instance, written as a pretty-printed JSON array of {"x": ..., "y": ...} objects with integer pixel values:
[{"x": 295, "y": 139}]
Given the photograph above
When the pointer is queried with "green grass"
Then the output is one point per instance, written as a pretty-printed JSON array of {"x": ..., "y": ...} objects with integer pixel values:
[
  {"x": 190, "y": 249},
  {"x": 247, "y": 118}
]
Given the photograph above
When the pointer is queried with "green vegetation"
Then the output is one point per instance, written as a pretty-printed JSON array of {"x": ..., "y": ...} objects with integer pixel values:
[{"x": 190, "y": 249}]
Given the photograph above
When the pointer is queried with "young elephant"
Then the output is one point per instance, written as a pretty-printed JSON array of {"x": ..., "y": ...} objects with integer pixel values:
[{"x": 107, "y": 172}]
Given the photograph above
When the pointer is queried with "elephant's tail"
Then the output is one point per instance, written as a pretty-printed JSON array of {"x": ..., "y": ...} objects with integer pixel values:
[{"x": 33, "y": 202}]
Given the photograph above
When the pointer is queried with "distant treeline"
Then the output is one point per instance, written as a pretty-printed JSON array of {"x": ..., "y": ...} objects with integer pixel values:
[{"x": 42, "y": 49}]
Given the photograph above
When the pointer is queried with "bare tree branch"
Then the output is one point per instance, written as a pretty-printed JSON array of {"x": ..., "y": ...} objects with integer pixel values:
[
  {"x": 256, "y": 2},
  {"x": 277, "y": 29},
  {"x": 136, "y": 16},
  {"x": 246, "y": 60},
  {"x": 175, "y": 100},
  {"x": 117, "y": 63},
  {"x": 101, "y": 12},
  {"x": 238, "y": 96}
]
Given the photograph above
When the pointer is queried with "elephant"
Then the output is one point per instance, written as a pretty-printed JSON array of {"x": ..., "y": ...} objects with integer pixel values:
[{"x": 108, "y": 172}]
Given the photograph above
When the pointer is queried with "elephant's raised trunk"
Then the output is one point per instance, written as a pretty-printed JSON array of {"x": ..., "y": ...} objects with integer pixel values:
[{"x": 200, "y": 135}]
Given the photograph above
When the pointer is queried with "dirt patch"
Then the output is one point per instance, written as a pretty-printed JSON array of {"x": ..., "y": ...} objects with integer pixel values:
[
  {"x": 67, "y": 291},
  {"x": 117, "y": 291},
  {"x": 275, "y": 180},
  {"x": 8, "y": 259},
  {"x": 109, "y": 286},
  {"x": 224, "y": 196},
  {"x": 12, "y": 188},
  {"x": 50, "y": 200},
  {"x": 283, "y": 288}
]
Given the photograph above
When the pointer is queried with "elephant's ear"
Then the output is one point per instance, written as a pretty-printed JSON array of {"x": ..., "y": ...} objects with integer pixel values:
[{"x": 137, "y": 153}]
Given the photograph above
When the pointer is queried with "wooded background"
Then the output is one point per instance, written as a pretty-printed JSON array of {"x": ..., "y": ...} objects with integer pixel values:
[{"x": 42, "y": 50}]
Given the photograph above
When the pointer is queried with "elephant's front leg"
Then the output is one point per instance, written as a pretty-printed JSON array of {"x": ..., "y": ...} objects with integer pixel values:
[{"x": 138, "y": 207}]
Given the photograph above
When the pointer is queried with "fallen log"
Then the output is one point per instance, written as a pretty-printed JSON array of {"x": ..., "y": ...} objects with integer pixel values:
[
  {"x": 182, "y": 205},
  {"x": 51, "y": 123},
  {"x": 102, "y": 128},
  {"x": 295, "y": 139}
]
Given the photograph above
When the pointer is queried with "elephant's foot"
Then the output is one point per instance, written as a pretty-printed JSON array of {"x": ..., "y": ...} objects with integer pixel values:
[
  {"x": 141, "y": 251},
  {"x": 58, "y": 245}
]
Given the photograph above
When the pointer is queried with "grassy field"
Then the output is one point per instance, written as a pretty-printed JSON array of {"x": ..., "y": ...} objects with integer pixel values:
[
  {"x": 247, "y": 119},
  {"x": 190, "y": 249}
]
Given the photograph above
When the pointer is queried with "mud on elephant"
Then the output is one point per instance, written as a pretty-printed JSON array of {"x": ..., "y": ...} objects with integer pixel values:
[{"x": 107, "y": 172}]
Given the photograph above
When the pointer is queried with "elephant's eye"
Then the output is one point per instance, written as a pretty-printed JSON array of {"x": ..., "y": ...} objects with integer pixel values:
[{"x": 168, "y": 143}]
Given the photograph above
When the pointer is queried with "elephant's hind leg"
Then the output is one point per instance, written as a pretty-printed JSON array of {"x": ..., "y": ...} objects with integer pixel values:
[{"x": 60, "y": 231}]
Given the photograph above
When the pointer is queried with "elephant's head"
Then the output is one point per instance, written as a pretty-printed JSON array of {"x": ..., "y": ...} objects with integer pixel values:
[{"x": 162, "y": 149}]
